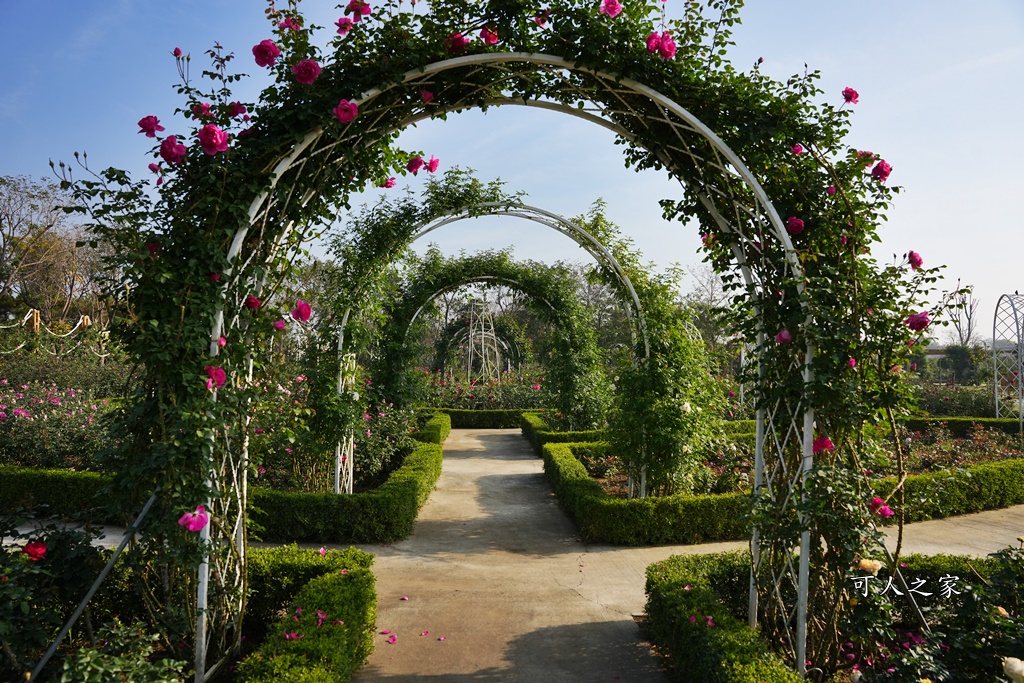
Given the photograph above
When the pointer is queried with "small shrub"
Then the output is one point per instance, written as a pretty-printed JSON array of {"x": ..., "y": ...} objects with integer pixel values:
[{"x": 124, "y": 654}]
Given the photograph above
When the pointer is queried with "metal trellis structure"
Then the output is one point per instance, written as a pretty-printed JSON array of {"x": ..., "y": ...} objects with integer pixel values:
[{"x": 1008, "y": 357}]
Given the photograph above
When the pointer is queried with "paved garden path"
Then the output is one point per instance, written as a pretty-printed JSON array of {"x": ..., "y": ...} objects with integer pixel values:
[{"x": 494, "y": 568}]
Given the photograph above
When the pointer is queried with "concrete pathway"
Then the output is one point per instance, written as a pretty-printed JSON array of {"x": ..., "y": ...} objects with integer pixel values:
[{"x": 494, "y": 568}]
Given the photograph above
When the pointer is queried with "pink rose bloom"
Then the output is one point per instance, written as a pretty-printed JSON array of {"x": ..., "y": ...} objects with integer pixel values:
[
  {"x": 195, "y": 521},
  {"x": 266, "y": 53},
  {"x": 359, "y": 9},
  {"x": 852, "y": 362},
  {"x": 488, "y": 35},
  {"x": 881, "y": 171},
  {"x": 150, "y": 125},
  {"x": 171, "y": 151},
  {"x": 302, "y": 311},
  {"x": 783, "y": 337},
  {"x": 850, "y": 95},
  {"x": 177, "y": 52},
  {"x": 843, "y": 240},
  {"x": 222, "y": 342},
  {"x": 216, "y": 374},
  {"x": 611, "y": 8},
  {"x": 306, "y": 71},
  {"x": 344, "y": 26},
  {"x": 797, "y": 149},
  {"x": 289, "y": 23},
  {"x": 236, "y": 109},
  {"x": 865, "y": 156},
  {"x": 201, "y": 111},
  {"x": 414, "y": 165},
  {"x": 830, "y": 190},
  {"x": 213, "y": 139},
  {"x": 426, "y": 96},
  {"x": 915, "y": 260},
  {"x": 667, "y": 48},
  {"x": 433, "y": 163},
  {"x": 456, "y": 42},
  {"x": 543, "y": 17},
  {"x": 346, "y": 111},
  {"x": 822, "y": 444},
  {"x": 390, "y": 182},
  {"x": 155, "y": 168},
  {"x": 918, "y": 321},
  {"x": 794, "y": 225},
  {"x": 215, "y": 277},
  {"x": 279, "y": 325},
  {"x": 653, "y": 42},
  {"x": 252, "y": 302}
]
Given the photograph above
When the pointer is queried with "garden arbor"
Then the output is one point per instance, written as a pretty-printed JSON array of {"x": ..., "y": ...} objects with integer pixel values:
[
  {"x": 204, "y": 259},
  {"x": 1008, "y": 357}
]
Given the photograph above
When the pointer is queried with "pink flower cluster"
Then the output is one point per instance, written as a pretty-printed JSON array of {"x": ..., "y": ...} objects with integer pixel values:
[
  {"x": 358, "y": 9},
  {"x": 417, "y": 162},
  {"x": 662, "y": 44},
  {"x": 822, "y": 443},
  {"x": 879, "y": 508},
  {"x": 195, "y": 521},
  {"x": 611, "y": 8},
  {"x": 456, "y": 42}
]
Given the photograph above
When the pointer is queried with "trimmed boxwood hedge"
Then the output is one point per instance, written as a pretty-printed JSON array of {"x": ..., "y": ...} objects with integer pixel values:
[
  {"x": 435, "y": 430},
  {"x": 538, "y": 433},
  {"x": 383, "y": 515},
  {"x": 336, "y": 608},
  {"x": 728, "y": 651},
  {"x": 483, "y": 419},
  {"x": 641, "y": 521}
]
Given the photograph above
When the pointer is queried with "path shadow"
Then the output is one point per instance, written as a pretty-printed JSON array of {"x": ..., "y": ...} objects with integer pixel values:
[{"x": 596, "y": 651}]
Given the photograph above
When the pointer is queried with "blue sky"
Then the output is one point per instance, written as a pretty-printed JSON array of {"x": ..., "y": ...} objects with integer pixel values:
[{"x": 940, "y": 85}]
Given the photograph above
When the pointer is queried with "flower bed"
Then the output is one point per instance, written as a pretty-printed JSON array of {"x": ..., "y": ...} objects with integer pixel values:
[{"x": 697, "y": 609}]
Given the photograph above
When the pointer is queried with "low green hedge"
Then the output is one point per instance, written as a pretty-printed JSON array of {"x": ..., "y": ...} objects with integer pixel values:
[
  {"x": 962, "y": 427},
  {"x": 722, "y": 649},
  {"x": 935, "y": 495},
  {"x": 383, "y": 515},
  {"x": 435, "y": 430},
  {"x": 641, "y": 521},
  {"x": 63, "y": 492},
  {"x": 538, "y": 433},
  {"x": 739, "y": 426},
  {"x": 327, "y": 632},
  {"x": 276, "y": 575},
  {"x": 483, "y": 419}
]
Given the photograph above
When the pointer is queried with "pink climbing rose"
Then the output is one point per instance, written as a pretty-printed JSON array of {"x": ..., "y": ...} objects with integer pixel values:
[
  {"x": 266, "y": 53},
  {"x": 344, "y": 26},
  {"x": 822, "y": 443},
  {"x": 346, "y": 111},
  {"x": 879, "y": 508},
  {"x": 783, "y": 337},
  {"x": 177, "y": 52},
  {"x": 390, "y": 182},
  {"x": 918, "y": 321},
  {"x": 290, "y": 23},
  {"x": 456, "y": 42},
  {"x": 359, "y": 9},
  {"x": 653, "y": 42},
  {"x": 797, "y": 149},
  {"x": 279, "y": 325},
  {"x": 172, "y": 151},
  {"x": 612, "y": 8},
  {"x": 217, "y": 375},
  {"x": 426, "y": 96},
  {"x": 213, "y": 139},
  {"x": 414, "y": 165},
  {"x": 252, "y": 303},
  {"x": 852, "y": 362},
  {"x": 236, "y": 109},
  {"x": 150, "y": 125},
  {"x": 915, "y": 260},
  {"x": 195, "y": 521},
  {"x": 433, "y": 163},
  {"x": 794, "y": 225},
  {"x": 830, "y": 190},
  {"x": 488, "y": 35},
  {"x": 850, "y": 95},
  {"x": 306, "y": 71},
  {"x": 881, "y": 171},
  {"x": 302, "y": 311},
  {"x": 667, "y": 46}
]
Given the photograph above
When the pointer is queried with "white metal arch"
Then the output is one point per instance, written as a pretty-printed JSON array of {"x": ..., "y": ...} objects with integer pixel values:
[
  {"x": 1008, "y": 357},
  {"x": 719, "y": 179}
]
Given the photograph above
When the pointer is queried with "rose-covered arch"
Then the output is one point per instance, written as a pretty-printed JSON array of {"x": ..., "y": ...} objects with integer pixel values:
[{"x": 242, "y": 195}]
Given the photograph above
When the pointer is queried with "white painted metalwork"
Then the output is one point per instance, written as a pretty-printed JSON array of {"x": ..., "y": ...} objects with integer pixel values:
[
  {"x": 345, "y": 449},
  {"x": 714, "y": 174},
  {"x": 1008, "y": 357},
  {"x": 482, "y": 344}
]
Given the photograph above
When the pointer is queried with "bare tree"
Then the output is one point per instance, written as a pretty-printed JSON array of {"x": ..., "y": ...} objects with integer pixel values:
[
  {"x": 29, "y": 212},
  {"x": 964, "y": 312}
]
